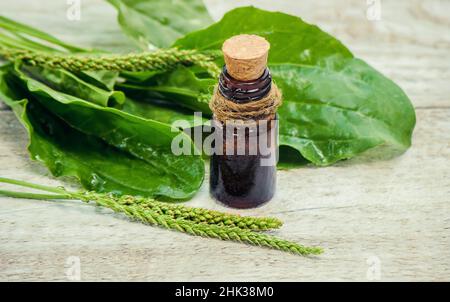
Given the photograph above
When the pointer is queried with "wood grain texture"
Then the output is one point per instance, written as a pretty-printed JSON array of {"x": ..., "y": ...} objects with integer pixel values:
[{"x": 366, "y": 209}]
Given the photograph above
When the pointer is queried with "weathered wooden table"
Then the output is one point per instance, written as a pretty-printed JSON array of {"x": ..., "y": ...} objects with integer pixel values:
[{"x": 386, "y": 220}]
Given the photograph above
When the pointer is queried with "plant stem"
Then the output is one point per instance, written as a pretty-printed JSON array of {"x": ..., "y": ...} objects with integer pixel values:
[
  {"x": 160, "y": 60},
  {"x": 32, "y": 185},
  {"x": 33, "y": 195}
]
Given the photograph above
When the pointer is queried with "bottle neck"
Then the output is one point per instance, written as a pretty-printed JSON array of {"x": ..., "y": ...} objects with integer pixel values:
[{"x": 244, "y": 91}]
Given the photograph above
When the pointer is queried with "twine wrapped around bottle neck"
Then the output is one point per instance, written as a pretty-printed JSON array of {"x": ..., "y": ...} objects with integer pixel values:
[{"x": 226, "y": 110}]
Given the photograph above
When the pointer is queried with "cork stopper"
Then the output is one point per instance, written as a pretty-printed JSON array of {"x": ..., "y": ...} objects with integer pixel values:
[{"x": 246, "y": 56}]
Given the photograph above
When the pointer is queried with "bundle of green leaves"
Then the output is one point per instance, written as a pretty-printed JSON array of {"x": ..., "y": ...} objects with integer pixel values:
[{"x": 111, "y": 130}]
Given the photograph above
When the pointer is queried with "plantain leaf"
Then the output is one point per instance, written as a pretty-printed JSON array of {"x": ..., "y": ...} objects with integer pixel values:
[
  {"x": 158, "y": 23},
  {"x": 181, "y": 85},
  {"x": 340, "y": 108},
  {"x": 17, "y": 35},
  {"x": 107, "y": 149},
  {"x": 291, "y": 39},
  {"x": 163, "y": 112},
  {"x": 21, "y": 32},
  {"x": 66, "y": 82}
]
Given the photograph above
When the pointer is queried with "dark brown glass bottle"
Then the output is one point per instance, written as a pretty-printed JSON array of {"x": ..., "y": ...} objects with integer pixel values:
[{"x": 246, "y": 177}]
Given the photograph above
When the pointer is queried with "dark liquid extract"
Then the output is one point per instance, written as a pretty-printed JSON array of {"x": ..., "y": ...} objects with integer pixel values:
[{"x": 243, "y": 166}]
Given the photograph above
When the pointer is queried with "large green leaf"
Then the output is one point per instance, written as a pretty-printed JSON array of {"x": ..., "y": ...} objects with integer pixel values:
[
  {"x": 339, "y": 108},
  {"x": 20, "y": 36},
  {"x": 21, "y": 32},
  {"x": 291, "y": 39},
  {"x": 162, "y": 112},
  {"x": 107, "y": 149},
  {"x": 180, "y": 85},
  {"x": 335, "y": 106},
  {"x": 66, "y": 82},
  {"x": 157, "y": 23}
]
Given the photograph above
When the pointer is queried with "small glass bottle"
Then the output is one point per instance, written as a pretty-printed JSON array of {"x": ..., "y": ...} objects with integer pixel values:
[{"x": 246, "y": 177}]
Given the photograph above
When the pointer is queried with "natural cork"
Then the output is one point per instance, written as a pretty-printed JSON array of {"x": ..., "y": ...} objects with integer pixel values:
[{"x": 246, "y": 56}]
